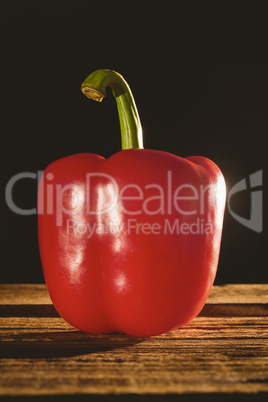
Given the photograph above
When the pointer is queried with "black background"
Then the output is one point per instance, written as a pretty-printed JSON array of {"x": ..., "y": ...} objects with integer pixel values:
[{"x": 199, "y": 76}]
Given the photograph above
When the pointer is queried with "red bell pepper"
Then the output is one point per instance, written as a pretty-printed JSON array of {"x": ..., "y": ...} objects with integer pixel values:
[{"x": 129, "y": 243}]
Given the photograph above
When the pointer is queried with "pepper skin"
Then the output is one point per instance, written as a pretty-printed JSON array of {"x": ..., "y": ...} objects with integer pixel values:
[{"x": 130, "y": 243}]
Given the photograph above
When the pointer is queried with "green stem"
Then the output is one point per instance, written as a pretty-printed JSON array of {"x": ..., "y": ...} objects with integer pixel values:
[{"x": 94, "y": 87}]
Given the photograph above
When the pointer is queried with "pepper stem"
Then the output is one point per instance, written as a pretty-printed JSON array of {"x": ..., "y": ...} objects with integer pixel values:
[{"x": 94, "y": 87}]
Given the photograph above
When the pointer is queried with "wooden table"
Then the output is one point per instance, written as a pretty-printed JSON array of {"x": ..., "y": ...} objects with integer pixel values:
[{"x": 220, "y": 355}]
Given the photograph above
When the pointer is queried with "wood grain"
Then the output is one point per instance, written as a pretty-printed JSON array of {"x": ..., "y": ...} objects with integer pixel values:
[{"x": 223, "y": 351}]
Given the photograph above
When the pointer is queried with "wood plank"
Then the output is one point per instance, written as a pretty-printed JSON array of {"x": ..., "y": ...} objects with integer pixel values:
[
  {"x": 239, "y": 293},
  {"x": 24, "y": 294},
  {"x": 32, "y": 300},
  {"x": 211, "y": 355},
  {"x": 228, "y": 294}
]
